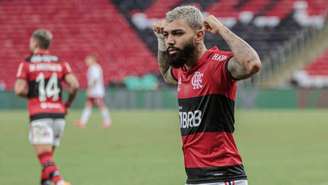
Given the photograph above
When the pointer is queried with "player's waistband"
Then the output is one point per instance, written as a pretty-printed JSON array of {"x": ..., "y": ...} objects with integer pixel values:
[
  {"x": 47, "y": 115},
  {"x": 215, "y": 174}
]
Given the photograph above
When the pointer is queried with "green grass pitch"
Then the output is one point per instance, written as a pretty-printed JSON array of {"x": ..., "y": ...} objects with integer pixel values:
[{"x": 279, "y": 147}]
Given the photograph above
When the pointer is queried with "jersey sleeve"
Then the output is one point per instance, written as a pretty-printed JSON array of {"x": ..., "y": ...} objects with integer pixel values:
[
  {"x": 22, "y": 71},
  {"x": 221, "y": 73}
]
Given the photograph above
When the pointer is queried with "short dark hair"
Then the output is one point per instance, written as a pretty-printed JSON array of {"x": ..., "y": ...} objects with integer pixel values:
[{"x": 43, "y": 37}]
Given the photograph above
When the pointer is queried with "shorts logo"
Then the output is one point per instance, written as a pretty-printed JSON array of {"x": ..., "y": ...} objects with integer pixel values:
[{"x": 197, "y": 80}]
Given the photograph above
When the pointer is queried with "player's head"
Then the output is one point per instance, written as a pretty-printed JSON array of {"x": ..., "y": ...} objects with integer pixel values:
[
  {"x": 91, "y": 59},
  {"x": 183, "y": 33},
  {"x": 40, "y": 39}
]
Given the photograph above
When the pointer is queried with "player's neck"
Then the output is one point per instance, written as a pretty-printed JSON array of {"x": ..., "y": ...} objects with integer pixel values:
[
  {"x": 199, "y": 52},
  {"x": 39, "y": 50}
]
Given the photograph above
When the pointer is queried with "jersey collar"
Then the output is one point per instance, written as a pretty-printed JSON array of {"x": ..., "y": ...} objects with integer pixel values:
[
  {"x": 41, "y": 51},
  {"x": 203, "y": 59}
]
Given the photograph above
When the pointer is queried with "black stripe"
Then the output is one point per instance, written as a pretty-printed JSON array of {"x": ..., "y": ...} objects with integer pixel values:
[
  {"x": 45, "y": 182},
  {"x": 215, "y": 174},
  {"x": 47, "y": 115},
  {"x": 28, "y": 59},
  {"x": 217, "y": 114},
  {"x": 33, "y": 91}
]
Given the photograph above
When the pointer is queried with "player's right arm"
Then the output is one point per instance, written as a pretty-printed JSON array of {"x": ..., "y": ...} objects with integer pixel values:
[
  {"x": 245, "y": 61},
  {"x": 73, "y": 86},
  {"x": 162, "y": 57}
]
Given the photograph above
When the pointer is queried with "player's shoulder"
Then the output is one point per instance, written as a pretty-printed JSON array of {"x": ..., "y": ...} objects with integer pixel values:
[
  {"x": 95, "y": 68},
  {"x": 217, "y": 55}
]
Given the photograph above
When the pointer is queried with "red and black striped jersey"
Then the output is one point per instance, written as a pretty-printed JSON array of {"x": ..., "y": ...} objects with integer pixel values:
[
  {"x": 206, "y": 96},
  {"x": 44, "y": 74}
]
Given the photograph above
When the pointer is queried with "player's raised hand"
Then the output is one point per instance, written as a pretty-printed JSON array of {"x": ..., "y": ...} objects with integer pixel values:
[
  {"x": 212, "y": 24},
  {"x": 158, "y": 28}
]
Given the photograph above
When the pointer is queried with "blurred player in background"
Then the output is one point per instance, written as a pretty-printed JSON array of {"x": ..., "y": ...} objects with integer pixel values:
[
  {"x": 95, "y": 93},
  {"x": 39, "y": 80},
  {"x": 207, "y": 85}
]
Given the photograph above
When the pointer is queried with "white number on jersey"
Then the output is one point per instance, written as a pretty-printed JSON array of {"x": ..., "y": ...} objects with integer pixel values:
[{"x": 50, "y": 89}]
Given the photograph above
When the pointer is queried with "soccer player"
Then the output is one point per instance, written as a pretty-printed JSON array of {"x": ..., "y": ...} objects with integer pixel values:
[
  {"x": 95, "y": 93},
  {"x": 39, "y": 80},
  {"x": 206, "y": 90}
]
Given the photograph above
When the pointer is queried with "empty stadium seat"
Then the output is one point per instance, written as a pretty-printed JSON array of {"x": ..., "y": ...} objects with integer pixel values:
[
  {"x": 314, "y": 74},
  {"x": 78, "y": 29}
]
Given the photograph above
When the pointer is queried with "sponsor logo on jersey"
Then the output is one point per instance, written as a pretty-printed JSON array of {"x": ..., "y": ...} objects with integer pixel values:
[
  {"x": 190, "y": 119},
  {"x": 45, "y": 105},
  {"x": 197, "y": 80},
  {"x": 218, "y": 57}
]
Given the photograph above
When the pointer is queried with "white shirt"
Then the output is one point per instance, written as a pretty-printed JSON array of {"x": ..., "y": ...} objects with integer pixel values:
[{"x": 95, "y": 81}]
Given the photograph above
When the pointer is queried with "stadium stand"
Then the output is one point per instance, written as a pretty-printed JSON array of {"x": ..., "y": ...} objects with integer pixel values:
[
  {"x": 120, "y": 30},
  {"x": 314, "y": 74},
  {"x": 270, "y": 26},
  {"x": 79, "y": 27}
]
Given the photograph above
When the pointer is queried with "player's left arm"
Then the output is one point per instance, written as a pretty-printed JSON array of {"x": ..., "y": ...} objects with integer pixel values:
[
  {"x": 21, "y": 88},
  {"x": 245, "y": 61}
]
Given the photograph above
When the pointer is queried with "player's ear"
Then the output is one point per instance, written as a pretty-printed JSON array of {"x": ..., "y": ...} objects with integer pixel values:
[{"x": 199, "y": 36}]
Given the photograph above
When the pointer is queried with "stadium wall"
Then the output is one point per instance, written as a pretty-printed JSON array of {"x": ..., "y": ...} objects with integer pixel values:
[{"x": 165, "y": 99}]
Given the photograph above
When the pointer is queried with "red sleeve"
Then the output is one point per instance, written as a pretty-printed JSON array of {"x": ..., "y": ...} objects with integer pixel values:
[
  {"x": 66, "y": 68},
  {"x": 221, "y": 73},
  {"x": 22, "y": 71}
]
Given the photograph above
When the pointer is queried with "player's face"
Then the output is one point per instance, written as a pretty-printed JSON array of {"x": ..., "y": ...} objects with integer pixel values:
[
  {"x": 89, "y": 61},
  {"x": 179, "y": 41},
  {"x": 33, "y": 44}
]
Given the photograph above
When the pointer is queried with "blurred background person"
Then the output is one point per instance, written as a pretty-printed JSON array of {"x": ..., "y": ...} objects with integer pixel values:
[{"x": 95, "y": 93}]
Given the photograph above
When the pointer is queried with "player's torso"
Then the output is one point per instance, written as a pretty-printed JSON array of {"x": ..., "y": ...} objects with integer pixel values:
[
  {"x": 205, "y": 105},
  {"x": 95, "y": 75},
  {"x": 206, "y": 112},
  {"x": 45, "y": 74}
]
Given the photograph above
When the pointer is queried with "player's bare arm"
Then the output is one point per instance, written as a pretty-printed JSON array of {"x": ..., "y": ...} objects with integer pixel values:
[
  {"x": 162, "y": 57},
  {"x": 245, "y": 61},
  {"x": 21, "y": 88},
  {"x": 73, "y": 86}
]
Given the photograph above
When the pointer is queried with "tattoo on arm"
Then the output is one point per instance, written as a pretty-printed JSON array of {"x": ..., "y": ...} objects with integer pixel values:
[
  {"x": 237, "y": 70},
  {"x": 246, "y": 61}
]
